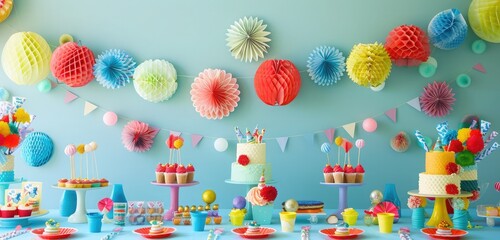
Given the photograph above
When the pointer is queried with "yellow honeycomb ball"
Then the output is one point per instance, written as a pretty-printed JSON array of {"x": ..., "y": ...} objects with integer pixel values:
[
  {"x": 368, "y": 65},
  {"x": 484, "y": 19},
  {"x": 26, "y": 58}
]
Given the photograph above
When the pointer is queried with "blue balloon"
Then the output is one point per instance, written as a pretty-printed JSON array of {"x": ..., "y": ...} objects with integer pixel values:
[
  {"x": 114, "y": 68},
  {"x": 448, "y": 29},
  {"x": 326, "y": 65}
]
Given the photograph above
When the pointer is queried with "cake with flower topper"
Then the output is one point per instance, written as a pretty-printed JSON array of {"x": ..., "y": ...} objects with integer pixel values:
[{"x": 250, "y": 157}]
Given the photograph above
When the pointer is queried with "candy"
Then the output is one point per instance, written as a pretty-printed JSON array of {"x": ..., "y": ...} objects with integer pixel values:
[{"x": 325, "y": 148}]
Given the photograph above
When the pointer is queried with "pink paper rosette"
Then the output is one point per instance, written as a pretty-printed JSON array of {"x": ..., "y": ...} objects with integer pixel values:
[
  {"x": 437, "y": 99},
  {"x": 138, "y": 136}
]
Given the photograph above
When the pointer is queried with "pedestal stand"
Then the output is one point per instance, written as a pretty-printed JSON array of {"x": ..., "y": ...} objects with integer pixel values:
[
  {"x": 342, "y": 195},
  {"x": 80, "y": 214},
  {"x": 174, "y": 196}
]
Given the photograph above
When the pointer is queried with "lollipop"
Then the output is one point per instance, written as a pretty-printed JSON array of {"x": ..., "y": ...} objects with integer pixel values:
[
  {"x": 70, "y": 151},
  {"x": 81, "y": 150},
  {"x": 93, "y": 146},
  {"x": 360, "y": 143},
  {"x": 105, "y": 205},
  {"x": 325, "y": 148},
  {"x": 338, "y": 142}
]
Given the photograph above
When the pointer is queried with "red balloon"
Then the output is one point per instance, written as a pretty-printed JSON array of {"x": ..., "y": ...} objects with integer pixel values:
[
  {"x": 73, "y": 64},
  {"x": 277, "y": 82},
  {"x": 408, "y": 45}
]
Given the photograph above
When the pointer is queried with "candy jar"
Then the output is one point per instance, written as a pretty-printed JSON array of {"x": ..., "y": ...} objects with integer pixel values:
[{"x": 368, "y": 218}]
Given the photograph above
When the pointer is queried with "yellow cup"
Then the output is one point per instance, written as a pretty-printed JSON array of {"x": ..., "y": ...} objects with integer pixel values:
[
  {"x": 385, "y": 222},
  {"x": 350, "y": 218},
  {"x": 236, "y": 218},
  {"x": 287, "y": 221}
]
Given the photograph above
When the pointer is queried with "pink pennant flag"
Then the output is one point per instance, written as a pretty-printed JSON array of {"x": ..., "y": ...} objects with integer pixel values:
[
  {"x": 175, "y": 133},
  {"x": 415, "y": 103},
  {"x": 88, "y": 108},
  {"x": 52, "y": 84},
  {"x": 69, "y": 97},
  {"x": 329, "y": 134},
  {"x": 195, "y": 139},
  {"x": 391, "y": 114},
  {"x": 479, "y": 67},
  {"x": 282, "y": 142},
  {"x": 350, "y": 128}
]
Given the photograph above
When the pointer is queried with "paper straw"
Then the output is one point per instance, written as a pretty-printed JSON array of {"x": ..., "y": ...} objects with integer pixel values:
[
  {"x": 421, "y": 139},
  {"x": 491, "y": 137},
  {"x": 442, "y": 129},
  {"x": 115, "y": 232},
  {"x": 15, "y": 233},
  {"x": 473, "y": 124},
  {"x": 87, "y": 161},
  {"x": 488, "y": 151},
  {"x": 485, "y": 126}
]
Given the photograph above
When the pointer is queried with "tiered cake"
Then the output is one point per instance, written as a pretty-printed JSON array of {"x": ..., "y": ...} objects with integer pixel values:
[
  {"x": 250, "y": 163},
  {"x": 440, "y": 176},
  {"x": 7, "y": 169}
]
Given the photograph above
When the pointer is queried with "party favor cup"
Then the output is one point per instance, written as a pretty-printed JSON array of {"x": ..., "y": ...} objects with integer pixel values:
[
  {"x": 237, "y": 218},
  {"x": 287, "y": 221},
  {"x": 263, "y": 214},
  {"x": 198, "y": 220},
  {"x": 119, "y": 212},
  {"x": 95, "y": 221},
  {"x": 385, "y": 222},
  {"x": 350, "y": 218}
]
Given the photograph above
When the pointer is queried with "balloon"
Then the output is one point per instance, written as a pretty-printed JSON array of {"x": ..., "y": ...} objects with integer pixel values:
[
  {"x": 325, "y": 148},
  {"x": 110, "y": 118},
  {"x": 178, "y": 143},
  {"x": 239, "y": 202},
  {"x": 360, "y": 143},
  {"x": 338, "y": 141},
  {"x": 370, "y": 125},
  {"x": 220, "y": 144},
  {"x": 291, "y": 205},
  {"x": 88, "y": 148},
  {"x": 346, "y": 145},
  {"x": 44, "y": 86},
  {"x": 208, "y": 196},
  {"x": 376, "y": 197},
  {"x": 93, "y": 145},
  {"x": 70, "y": 150}
]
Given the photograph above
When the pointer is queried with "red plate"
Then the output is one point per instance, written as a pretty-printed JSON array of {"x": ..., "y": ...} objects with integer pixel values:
[
  {"x": 63, "y": 233},
  {"x": 144, "y": 232},
  {"x": 455, "y": 233},
  {"x": 264, "y": 232},
  {"x": 330, "y": 232}
]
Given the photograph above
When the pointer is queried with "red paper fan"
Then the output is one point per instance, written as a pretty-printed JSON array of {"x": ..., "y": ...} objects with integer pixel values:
[
  {"x": 408, "y": 45},
  {"x": 73, "y": 64},
  {"x": 277, "y": 82},
  {"x": 437, "y": 99},
  {"x": 346, "y": 145},
  {"x": 105, "y": 203},
  {"x": 138, "y": 136},
  {"x": 386, "y": 207}
]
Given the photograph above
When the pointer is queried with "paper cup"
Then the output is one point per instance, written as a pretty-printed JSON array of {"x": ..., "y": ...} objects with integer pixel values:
[
  {"x": 95, "y": 221},
  {"x": 350, "y": 218},
  {"x": 237, "y": 218},
  {"x": 263, "y": 214},
  {"x": 385, "y": 222},
  {"x": 288, "y": 221},
  {"x": 198, "y": 220}
]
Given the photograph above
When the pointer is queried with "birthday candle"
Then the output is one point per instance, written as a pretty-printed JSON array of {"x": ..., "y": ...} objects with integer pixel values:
[
  {"x": 491, "y": 137},
  {"x": 488, "y": 151},
  {"x": 421, "y": 139},
  {"x": 239, "y": 135}
]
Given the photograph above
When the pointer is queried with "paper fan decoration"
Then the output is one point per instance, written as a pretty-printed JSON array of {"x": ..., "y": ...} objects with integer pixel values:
[
  {"x": 215, "y": 93},
  {"x": 368, "y": 65},
  {"x": 73, "y": 64},
  {"x": 5, "y": 9},
  {"x": 326, "y": 65},
  {"x": 277, "y": 82},
  {"x": 138, "y": 136},
  {"x": 155, "y": 80},
  {"x": 114, "y": 68},
  {"x": 247, "y": 39},
  {"x": 37, "y": 149},
  {"x": 448, "y": 29},
  {"x": 26, "y": 58},
  {"x": 105, "y": 205},
  {"x": 407, "y": 45},
  {"x": 437, "y": 99},
  {"x": 386, "y": 207},
  {"x": 484, "y": 19}
]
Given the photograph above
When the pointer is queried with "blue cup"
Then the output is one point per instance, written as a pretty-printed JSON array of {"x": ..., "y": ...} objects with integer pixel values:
[
  {"x": 95, "y": 222},
  {"x": 198, "y": 220}
]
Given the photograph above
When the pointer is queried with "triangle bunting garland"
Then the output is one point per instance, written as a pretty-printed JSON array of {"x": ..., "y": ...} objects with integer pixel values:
[
  {"x": 69, "y": 97},
  {"x": 88, "y": 108},
  {"x": 195, "y": 139},
  {"x": 391, "y": 114},
  {"x": 415, "y": 103},
  {"x": 350, "y": 128},
  {"x": 175, "y": 133},
  {"x": 282, "y": 142},
  {"x": 479, "y": 67},
  {"x": 329, "y": 134}
]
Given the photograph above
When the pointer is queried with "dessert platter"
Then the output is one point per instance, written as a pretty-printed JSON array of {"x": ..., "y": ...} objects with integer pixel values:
[
  {"x": 155, "y": 231},
  {"x": 253, "y": 231},
  {"x": 341, "y": 233},
  {"x": 53, "y": 230}
]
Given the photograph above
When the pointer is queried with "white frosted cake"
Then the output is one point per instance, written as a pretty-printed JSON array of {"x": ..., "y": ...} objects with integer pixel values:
[
  {"x": 250, "y": 163},
  {"x": 441, "y": 175}
]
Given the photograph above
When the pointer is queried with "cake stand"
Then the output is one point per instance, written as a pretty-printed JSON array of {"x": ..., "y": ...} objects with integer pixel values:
[
  {"x": 481, "y": 212},
  {"x": 439, "y": 213},
  {"x": 342, "y": 195},
  {"x": 249, "y": 185},
  {"x": 80, "y": 214},
  {"x": 174, "y": 196},
  {"x": 23, "y": 221},
  {"x": 4, "y": 186}
]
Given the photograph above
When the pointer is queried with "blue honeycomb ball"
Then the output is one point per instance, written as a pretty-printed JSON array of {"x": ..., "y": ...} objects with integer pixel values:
[
  {"x": 37, "y": 149},
  {"x": 448, "y": 29}
]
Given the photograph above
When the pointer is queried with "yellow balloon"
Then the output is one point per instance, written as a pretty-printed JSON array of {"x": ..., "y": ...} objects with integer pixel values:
[
  {"x": 208, "y": 196},
  {"x": 26, "y": 58},
  {"x": 484, "y": 16},
  {"x": 338, "y": 141},
  {"x": 178, "y": 143}
]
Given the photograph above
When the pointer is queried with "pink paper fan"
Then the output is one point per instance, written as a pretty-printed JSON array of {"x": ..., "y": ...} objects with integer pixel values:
[
  {"x": 437, "y": 99},
  {"x": 105, "y": 203},
  {"x": 138, "y": 136},
  {"x": 386, "y": 207},
  {"x": 215, "y": 93}
]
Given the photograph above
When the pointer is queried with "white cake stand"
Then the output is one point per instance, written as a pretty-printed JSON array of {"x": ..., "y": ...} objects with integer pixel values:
[{"x": 80, "y": 214}]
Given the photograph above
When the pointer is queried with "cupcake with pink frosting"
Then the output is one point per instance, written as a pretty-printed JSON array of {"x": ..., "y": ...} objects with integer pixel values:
[
  {"x": 349, "y": 174},
  {"x": 262, "y": 194},
  {"x": 190, "y": 172},
  {"x": 328, "y": 173},
  {"x": 170, "y": 174},
  {"x": 338, "y": 174},
  {"x": 160, "y": 173},
  {"x": 360, "y": 173},
  {"x": 181, "y": 174}
]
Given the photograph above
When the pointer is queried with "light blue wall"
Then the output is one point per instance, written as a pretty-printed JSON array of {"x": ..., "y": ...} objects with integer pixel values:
[{"x": 191, "y": 35}]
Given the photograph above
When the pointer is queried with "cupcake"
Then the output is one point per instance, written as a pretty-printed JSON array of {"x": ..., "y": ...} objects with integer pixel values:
[
  {"x": 62, "y": 182},
  {"x": 338, "y": 174},
  {"x": 86, "y": 183},
  {"x": 72, "y": 183},
  {"x": 253, "y": 228},
  {"x": 342, "y": 230},
  {"x": 51, "y": 227},
  {"x": 8, "y": 211},
  {"x": 79, "y": 183},
  {"x": 170, "y": 176},
  {"x": 190, "y": 172},
  {"x": 328, "y": 173},
  {"x": 360, "y": 173},
  {"x": 24, "y": 210},
  {"x": 181, "y": 174},
  {"x": 95, "y": 183},
  {"x": 217, "y": 219},
  {"x": 443, "y": 228},
  {"x": 160, "y": 173},
  {"x": 350, "y": 174},
  {"x": 104, "y": 182},
  {"x": 156, "y": 227}
]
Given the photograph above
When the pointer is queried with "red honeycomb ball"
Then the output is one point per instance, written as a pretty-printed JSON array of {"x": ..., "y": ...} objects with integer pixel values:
[
  {"x": 277, "y": 82},
  {"x": 407, "y": 45},
  {"x": 73, "y": 64}
]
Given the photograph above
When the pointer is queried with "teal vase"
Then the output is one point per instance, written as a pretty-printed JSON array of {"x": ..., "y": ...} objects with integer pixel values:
[
  {"x": 118, "y": 196},
  {"x": 67, "y": 205},
  {"x": 418, "y": 218},
  {"x": 391, "y": 195},
  {"x": 460, "y": 219},
  {"x": 263, "y": 214}
]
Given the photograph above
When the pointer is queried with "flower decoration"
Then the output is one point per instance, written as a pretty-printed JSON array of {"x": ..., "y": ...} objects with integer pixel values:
[
  {"x": 114, "y": 68},
  {"x": 475, "y": 144},
  {"x": 138, "y": 136},
  {"x": 451, "y": 189},
  {"x": 14, "y": 126},
  {"x": 26, "y": 58},
  {"x": 400, "y": 142},
  {"x": 326, "y": 65},
  {"x": 484, "y": 16},
  {"x": 243, "y": 160},
  {"x": 277, "y": 82},
  {"x": 448, "y": 29},
  {"x": 215, "y": 93},
  {"x": 414, "y": 202},
  {"x": 37, "y": 149},
  {"x": 407, "y": 45},
  {"x": 368, "y": 65},
  {"x": 449, "y": 135},
  {"x": 452, "y": 168},
  {"x": 458, "y": 203},
  {"x": 73, "y": 64},
  {"x": 475, "y": 195},
  {"x": 5, "y": 9},
  {"x": 437, "y": 99},
  {"x": 455, "y": 146},
  {"x": 269, "y": 193},
  {"x": 247, "y": 39},
  {"x": 464, "y": 158},
  {"x": 463, "y": 134},
  {"x": 155, "y": 80}
]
